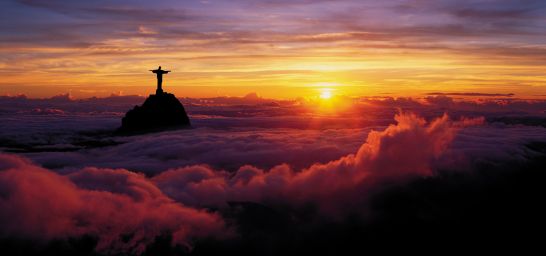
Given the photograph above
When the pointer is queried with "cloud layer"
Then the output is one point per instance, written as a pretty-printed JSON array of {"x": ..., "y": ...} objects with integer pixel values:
[
  {"x": 66, "y": 134},
  {"x": 334, "y": 171},
  {"x": 123, "y": 209},
  {"x": 387, "y": 155},
  {"x": 193, "y": 185},
  {"x": 112, "y": 204}
]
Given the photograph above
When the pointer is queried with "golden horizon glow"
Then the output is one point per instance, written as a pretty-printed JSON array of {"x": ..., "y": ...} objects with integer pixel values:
[
  {"x": 204, "y": 78},
  {"x": 272, "y": 51}
]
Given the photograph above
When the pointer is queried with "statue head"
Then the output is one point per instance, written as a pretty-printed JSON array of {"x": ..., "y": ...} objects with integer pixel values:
[{"x": 159, "y": 68}]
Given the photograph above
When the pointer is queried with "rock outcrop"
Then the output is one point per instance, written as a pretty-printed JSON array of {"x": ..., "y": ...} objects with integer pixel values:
[{"x": 160, "y": 111}]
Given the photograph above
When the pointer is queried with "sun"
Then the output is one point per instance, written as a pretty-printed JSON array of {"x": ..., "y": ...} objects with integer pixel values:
[{"x": 326, "y": 94}]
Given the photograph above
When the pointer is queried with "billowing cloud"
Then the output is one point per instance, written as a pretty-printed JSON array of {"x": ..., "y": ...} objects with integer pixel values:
[
  {"x": 68, "y": 134},
  {"x": 126, "y": 211},
  {"x": 122, "y": 209},
  {"x": 112, "y": 204},
  {"x": 407, "y": 149}
]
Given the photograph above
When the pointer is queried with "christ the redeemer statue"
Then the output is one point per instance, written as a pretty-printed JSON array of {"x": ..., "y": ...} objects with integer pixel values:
[{"x": 159, "y": 72}]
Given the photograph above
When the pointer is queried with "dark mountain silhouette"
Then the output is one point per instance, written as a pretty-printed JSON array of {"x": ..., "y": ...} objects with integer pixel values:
[{"x": 159, "y": 112}]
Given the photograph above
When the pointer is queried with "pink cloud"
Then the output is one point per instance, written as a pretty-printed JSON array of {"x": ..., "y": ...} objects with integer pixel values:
[
  {"x": 113, "y": 203},
  {"x": 109, "y": 204},
  {"x": 406, "y": 149}
]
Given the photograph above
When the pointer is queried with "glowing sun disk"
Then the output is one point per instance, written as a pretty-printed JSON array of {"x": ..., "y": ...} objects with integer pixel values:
[{"x": 326, "y": 94}]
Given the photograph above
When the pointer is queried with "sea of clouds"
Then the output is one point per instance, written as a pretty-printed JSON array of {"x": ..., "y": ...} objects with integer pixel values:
[{"x": 63, "y": 174}]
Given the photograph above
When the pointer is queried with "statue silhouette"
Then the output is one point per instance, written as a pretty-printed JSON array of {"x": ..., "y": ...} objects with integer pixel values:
[
  {"x": 160, "y": 111},
  {"x": 159, "y": 72}
]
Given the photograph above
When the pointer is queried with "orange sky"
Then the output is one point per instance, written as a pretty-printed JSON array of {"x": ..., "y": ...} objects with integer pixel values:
[{"x": 283, "y": 50}]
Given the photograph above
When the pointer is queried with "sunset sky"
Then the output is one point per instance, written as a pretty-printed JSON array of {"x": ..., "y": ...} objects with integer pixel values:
[
  {"x": 286, "y": 127},
  {"x": 278, "y": 49}
]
